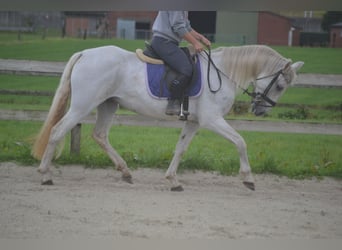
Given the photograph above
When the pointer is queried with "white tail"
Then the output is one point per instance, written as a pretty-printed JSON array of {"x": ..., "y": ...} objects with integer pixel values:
[{"x": 57, "y": 110}]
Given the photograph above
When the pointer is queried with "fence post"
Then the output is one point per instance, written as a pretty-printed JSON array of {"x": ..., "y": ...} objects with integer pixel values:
[{"x": 75, "y": 142}]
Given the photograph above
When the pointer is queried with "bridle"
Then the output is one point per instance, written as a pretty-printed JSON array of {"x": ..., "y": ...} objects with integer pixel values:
[
  {"x": 263, "y": 96},
  {"x": 257, "y": 96}
]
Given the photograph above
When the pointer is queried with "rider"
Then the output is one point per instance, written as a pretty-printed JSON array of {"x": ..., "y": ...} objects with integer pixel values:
[{"x": 169, "y": 29}]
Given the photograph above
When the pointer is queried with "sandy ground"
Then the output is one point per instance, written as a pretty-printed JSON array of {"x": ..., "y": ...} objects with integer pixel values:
[{"x": 97, "y": 203}]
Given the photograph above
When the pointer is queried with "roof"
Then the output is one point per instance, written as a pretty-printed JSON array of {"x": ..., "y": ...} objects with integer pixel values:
[
  {"x": 337, "y": 25},
  {"x": 276, "y": 14}
]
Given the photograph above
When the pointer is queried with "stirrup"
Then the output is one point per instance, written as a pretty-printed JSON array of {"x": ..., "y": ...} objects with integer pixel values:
[{"x": 183, "y": 116}]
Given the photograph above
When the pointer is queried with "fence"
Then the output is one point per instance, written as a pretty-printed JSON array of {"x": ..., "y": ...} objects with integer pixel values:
[{"x": 320, "y": 39}]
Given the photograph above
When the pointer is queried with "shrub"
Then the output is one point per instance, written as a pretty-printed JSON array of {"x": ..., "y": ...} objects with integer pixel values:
[{"x": 300, "y": 113}]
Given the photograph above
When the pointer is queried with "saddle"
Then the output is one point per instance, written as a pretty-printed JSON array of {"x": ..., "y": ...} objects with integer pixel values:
[{"x": 150, "y": 57}]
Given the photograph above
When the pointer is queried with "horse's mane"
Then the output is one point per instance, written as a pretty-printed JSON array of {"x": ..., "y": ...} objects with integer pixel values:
[{"x": 244, "y": 63}]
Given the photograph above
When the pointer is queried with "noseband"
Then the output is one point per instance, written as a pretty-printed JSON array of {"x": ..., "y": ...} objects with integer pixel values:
[{"x": 263, "y": 96}]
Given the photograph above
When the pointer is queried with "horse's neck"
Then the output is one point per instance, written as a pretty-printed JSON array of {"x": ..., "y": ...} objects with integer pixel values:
[{"x": 244, "y": 64}]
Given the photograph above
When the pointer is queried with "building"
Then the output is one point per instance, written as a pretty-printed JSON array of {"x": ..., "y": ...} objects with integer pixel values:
[
  {"x": 220, "y": 26},
  {"x": 274, "y": 29},
  {"x": 83, "y": 24},
  {"x": 119, "y": 24},
  {"x": 336, "y": 35},
  {"x": 131, "y": 24},
  {"x": 204, "y": 22},
  {"x": 234, "y": 28},
  {"x": 30, "y": 21},
  {"x": 256, "y": 28}
]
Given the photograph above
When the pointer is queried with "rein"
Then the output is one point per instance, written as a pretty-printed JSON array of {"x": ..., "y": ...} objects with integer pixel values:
[{"x": 218, "y": 71}]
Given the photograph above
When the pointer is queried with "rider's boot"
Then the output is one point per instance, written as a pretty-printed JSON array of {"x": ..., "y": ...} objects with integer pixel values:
[
  {"x": 176, "y": 87},
  {"x": 173, "y": 107}
]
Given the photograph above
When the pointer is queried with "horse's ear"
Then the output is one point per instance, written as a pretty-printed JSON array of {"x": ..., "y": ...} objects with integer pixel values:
[
  {"x": 297, "y": 65},
  {"x": 288, "y": 64}
]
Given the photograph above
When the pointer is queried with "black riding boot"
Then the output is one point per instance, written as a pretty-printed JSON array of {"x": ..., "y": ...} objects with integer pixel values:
[
  {"x": 173, "y": 107},
  {"x": 177, "y": 88}
]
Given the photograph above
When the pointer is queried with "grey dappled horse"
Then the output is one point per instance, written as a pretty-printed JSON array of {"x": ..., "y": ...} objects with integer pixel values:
[{"x": 109, "y": 76}]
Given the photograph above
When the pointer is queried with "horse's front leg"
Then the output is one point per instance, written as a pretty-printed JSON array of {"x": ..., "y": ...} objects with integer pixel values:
[
  {"x": 221, "y": 127},
  {"x": 188, "y": 132}
]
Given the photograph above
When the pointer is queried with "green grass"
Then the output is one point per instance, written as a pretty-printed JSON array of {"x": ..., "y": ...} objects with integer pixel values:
[
  {"x": 312, "y": 96},
  {"x": 317, "y": 60},
  {"x": 307, "y": 96},
  {"x": 29, "y": 83},
  {"x": 320, "y": 105},
  {"x": 32, "y": 83},
  {"x": 58, "y": 49},
  {"x": 292, "y": 155}
]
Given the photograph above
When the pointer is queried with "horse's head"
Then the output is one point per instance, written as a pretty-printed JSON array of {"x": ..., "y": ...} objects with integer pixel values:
[{"x": 269, "y": 88}]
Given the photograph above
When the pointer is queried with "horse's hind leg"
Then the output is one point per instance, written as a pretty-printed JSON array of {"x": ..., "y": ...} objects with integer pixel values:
[
  {"x": 57, "y": 133},
  {"x": 105, "y": 112}
]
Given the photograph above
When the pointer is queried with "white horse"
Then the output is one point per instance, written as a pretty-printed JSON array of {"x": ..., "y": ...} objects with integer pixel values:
[{"x": 107, "y": 77}]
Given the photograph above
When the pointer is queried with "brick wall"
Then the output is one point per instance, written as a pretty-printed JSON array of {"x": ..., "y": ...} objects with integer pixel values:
[
  {"x": 75, "y": 26},
  {"x": 274, "y": 29},
  {"x": 336, "y": 37}
]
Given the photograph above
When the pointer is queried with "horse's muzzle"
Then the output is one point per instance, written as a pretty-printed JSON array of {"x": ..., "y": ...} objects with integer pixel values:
[{"x": 258, "y": 109}]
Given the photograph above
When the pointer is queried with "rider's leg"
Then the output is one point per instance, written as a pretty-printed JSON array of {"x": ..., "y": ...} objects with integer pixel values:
[
  {"x": 176, "y": 87},
  {"x": 176, "y": 58}
]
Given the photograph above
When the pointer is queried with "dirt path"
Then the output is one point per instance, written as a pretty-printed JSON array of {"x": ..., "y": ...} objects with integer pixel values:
[{"x": 96, "y": 203}]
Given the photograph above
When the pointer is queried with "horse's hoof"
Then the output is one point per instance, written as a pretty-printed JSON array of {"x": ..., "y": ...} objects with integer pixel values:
[
  {"x": 127, "y": 179},
  {"x": 249, "y": 185},
  {"x": 47, "y": 183},
  {"x": 177, "y": 189}
]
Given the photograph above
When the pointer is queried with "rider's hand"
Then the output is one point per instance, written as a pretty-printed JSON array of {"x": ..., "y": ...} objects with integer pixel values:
[
  {"x": 198, "y": 47},
  {"x": 205, "y": 41}
]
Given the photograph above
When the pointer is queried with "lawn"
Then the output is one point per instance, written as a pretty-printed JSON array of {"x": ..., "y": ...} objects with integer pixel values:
[
  {"x": 58, "y": 49},
  {"x": 292, "y": 155},
  {"x": 317, "y": 60}
]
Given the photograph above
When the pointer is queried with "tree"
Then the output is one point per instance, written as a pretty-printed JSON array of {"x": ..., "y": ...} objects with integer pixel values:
[{"x": 331, "y": 17}]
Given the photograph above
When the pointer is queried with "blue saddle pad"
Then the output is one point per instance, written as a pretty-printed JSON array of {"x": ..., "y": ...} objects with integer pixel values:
[{"x": 158, "y": 87}]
